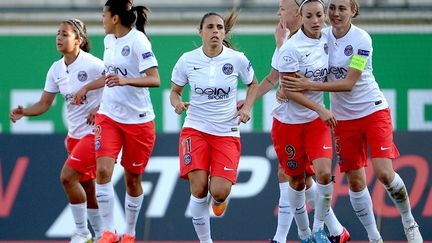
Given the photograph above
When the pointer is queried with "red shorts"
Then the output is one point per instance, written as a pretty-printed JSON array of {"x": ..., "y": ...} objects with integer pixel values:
[
  {"x": 353, "y": 136},
  {"x": 218, "y": 155},
  {"x": 297, "y": 145},
  {"x": 137, "y": 141},
  {"x": 82, "y": 156}
]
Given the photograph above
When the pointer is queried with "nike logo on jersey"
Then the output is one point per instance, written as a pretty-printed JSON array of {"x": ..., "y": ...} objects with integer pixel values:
[
  {"x": 136, "y": 164},
  {"x": 326, "y": 147},
  {"x": 228, "y": 169},
  {"x": 384, "y": 148},
  {"x": 308, "y": 54},
  {"x": 74, "y": 158},
  {"x": 197, "y": 68}
]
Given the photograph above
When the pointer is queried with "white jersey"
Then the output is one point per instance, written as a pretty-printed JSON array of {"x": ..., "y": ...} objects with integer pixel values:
[
  {"x": 274, "y": 60},
  {"x": 68, "y": 80},
  {"x": 309, "y": 57},
  {"x": 128, "y": 56},
  {"x": 365, "y": 98},
  {"x": 213, "y": 87}
]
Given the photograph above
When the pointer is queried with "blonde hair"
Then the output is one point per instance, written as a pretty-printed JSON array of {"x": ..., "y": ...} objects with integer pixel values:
[{"x": 356, "y": 7}]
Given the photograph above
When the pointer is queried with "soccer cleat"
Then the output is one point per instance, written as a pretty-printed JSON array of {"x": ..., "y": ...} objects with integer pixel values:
[
  {"x": 321, "y": 237},
  {"x": 376, "y": 241},
  {"x": 412, "y": 233},
  {"x": 108, "y": 237},
  {"x": 80, "y": 238},
  {"x": 128, "y": 239},
  {"x": 310, "y": 239},
  {"x": 342, "y": 238},
  {"x": 273, "y": 241},
  {"x": 218, "y": 207}
]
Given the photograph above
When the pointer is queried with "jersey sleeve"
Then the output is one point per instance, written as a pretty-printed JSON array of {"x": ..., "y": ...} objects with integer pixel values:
[
  {"x": 50, "y": 82},
  {"x": 98, "y": 66},
  {"x": 288, "y": 60},
  {"x": 246, "y": 71},
  {"x": 362, "y": 53},
  {"x": 145, "y": 55},
  {"x": 274, "y": 60},
  {"x": 179, "y": 73}
]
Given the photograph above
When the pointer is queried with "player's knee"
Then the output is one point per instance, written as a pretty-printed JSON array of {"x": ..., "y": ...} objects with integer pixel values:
[
  {"x": 386, "y": 177},
  {"x": 220, "y": 194},
  {"x": 282, "y": 177},
  {"x": 323, "y": 177}
]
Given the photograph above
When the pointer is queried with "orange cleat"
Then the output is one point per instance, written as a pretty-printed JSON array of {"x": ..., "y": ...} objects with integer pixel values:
[
  {"x": 109, "y": 237},
  {"x": 218, "y": 207},
  {"x": 128, "y": 239},
  {"x": 342, "y": 238}
]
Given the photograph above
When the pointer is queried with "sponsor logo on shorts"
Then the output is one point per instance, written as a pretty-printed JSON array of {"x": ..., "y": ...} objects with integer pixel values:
[
  {"x": 74, "y": 158},
  {"x": 384, "y": 148},
  {"x": 187, "y": 159},
  {"x": 137, "y": 164},
  {"x": 326, "y": 147},
  {"x": 228, "y": 169}
]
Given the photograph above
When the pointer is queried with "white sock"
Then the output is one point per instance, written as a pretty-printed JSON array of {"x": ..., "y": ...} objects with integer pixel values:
[
  {"x": 323, "y": 200},
  {"x": 333, "y": 225},
  {"x": 79, "y": 213},
  {"x": 285, "y": 214},
  {"x": 132, "y": 210},
  {"x": 398, "y": 194},
  {"x": 105, "y": 199},
  {"x": 297, "y": 201},
  {"x": 199, "y": 209},
  {"x": 95, "y": 221},
  {"x": 362, "y": 205}
]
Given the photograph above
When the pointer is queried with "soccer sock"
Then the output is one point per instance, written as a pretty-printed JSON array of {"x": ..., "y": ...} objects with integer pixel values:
[
  {"x": 105, "y": 199},
  {"x": 333, "y": 225},
  {"x": 95, "y": 221},
  {"x": 285, "y": 214},
  {"x": 398, "y": 193},
  {"x": 297, "y": 201},
  {"x": 322, "y": 205},
  {"x": 79, "y": 214},
  {"x": 199, "y": 209},
  {"x": 132, "y": 209},
  {"x": 362, "y": 205}
]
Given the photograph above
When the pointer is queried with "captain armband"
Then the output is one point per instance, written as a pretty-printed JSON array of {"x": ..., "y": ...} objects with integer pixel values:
[{"x": 358, "y": 62}]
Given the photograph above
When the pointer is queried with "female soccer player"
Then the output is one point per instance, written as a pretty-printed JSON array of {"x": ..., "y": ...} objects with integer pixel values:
[
  {"x": 76, "y": 72},
  {"x": 126, "y": 117},
  {"x": 291, "y": 20},
  {"x": 363, "y": 119},
  {"x": 304, "y": 117},
  {"x": 209, "y": 145}
]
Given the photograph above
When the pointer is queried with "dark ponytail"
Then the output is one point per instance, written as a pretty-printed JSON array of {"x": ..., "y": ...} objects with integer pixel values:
[{"x": 129, "y": 15}]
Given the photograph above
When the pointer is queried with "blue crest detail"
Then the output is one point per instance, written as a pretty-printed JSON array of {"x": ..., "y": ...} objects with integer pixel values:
[
  {"x": 228, "y": 68},
  {"x": 187, "y": 159},
  {"x": 82, "y": 76},
  {"x": 348, "y": 50},
  {"x": 125, "y": 51}
]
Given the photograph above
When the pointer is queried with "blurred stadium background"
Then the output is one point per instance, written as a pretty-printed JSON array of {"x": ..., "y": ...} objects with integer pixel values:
[{"x": 32, "y": 203}]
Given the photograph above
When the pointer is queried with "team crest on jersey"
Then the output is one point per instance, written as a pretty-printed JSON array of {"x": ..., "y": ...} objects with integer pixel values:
[
  {"x": 125, "y": 51},
  {"x": 326, "y": 48},
  {"x": 97, "y": 145},
  {"x": 82, "y": 76},
  {"x": 348, "y": 50},
  {"x": 292, "y": 164},
  {"x": 187, "y": 159},
  {"x": 228, "y": 68},
  {"x": 290, "y": 150}
]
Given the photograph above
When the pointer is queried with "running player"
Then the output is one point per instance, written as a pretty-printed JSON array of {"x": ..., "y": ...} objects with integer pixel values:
[
  {"x": 126, "y": 117},
  {"x": 305, "y": 118},
  {"x": 290, "y": 20},
  {"x": 75, "y": 73},
  {"x": 364, "y": 119},
  {"x": 209, "y": 145}
]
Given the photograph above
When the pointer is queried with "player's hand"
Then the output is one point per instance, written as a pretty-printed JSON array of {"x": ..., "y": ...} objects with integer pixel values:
[
  {"x": 16, "y": 114},
  {"x": 90, "y": 119},
  {"x": 113, "y": 80},
  {"x": 243, "y": 114},
  {"x": 79, "y": 96},
  {"x": 327, "y": 117},
  {"x": 180, "y": 107},
  {"x": 295, "y": 84},
  {"x": 280, "y": 96},
  {"x": 280, "y": 33},
  {"x": 240, "y": 104}
]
